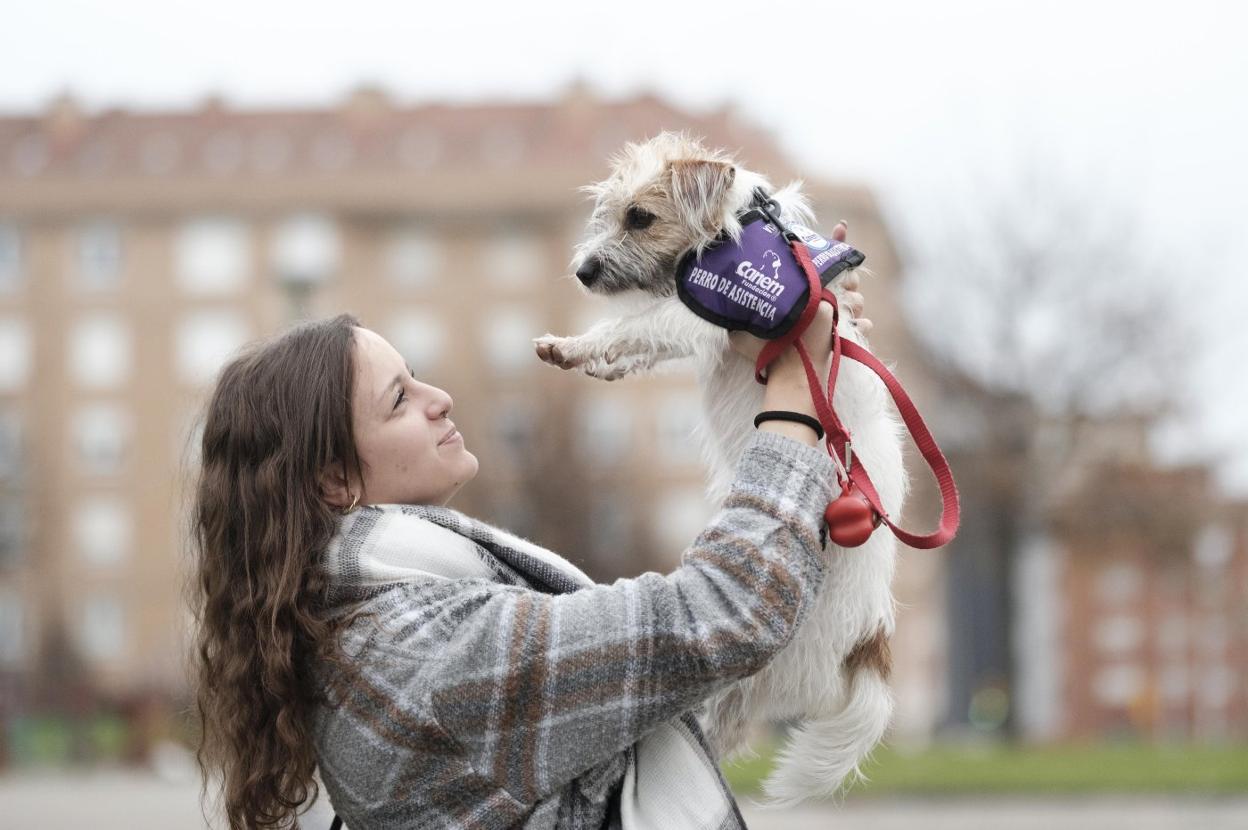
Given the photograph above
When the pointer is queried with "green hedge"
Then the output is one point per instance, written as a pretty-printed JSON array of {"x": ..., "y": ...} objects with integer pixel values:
[{"x": 1003, "y": 769}]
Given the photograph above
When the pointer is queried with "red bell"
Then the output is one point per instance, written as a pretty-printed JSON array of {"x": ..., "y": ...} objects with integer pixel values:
[{"x": 851, "y": 518}]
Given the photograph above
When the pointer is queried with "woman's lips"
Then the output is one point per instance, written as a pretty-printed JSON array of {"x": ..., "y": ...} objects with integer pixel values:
[{"x": 452, "y": 436}]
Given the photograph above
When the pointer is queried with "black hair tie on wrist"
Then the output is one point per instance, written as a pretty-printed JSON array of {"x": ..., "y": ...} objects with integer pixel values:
[{"x": 795, "y": 417}]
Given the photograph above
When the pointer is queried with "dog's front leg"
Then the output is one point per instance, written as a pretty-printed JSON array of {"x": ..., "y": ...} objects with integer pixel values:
[{"x": 620, "y": 346}]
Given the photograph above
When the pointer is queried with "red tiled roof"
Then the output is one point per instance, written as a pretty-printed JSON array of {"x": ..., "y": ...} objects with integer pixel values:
[{"x": 365, "y": 134}]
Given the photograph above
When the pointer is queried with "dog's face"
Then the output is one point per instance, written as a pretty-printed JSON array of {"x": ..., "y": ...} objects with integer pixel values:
[{"x": 664, "y": 197}]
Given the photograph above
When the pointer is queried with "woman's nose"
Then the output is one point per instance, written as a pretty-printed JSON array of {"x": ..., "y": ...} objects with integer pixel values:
[{"x": 442, "y": 403}]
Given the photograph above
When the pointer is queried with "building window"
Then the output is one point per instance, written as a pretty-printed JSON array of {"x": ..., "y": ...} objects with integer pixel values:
[
  {"x": 160, "y": 153},
  {"x": 103, "y": 530},
  {"x": 12, "y": 629},
  {"x": 223, "y": 152},
  {"x": 509, "y": 334},
  {"x": 1117, "y": 685},
  {"x": 101, "y": 437},
  {"x": 271, "y": 150},
  {"x": 502, "y": 145},
  {"x": 96, "y": 157},
  {"x": 212, "y": 256},
  {"x": 418, "y": 336},
  {"x": 30, "y": 155},
  {"x": 97, "y": 256},
  {"x": 1118, "y": 634},
  {"x": 14, "y": 353},
  {"x": 514, "y": 257},
  {"x": 680, "y": 515},
  {"x": 606, "y": 429},
  {"x": 99, "y": 352},
  {"x": 419, "y": 148},
  {"x": 332, "y": 151},
  {"x": 1119, "y": 583},
  {"x": 205, "y": 341},
  {"x": 1213, "y": 547},
  {"x": 103, "y": 627},
  {"x": 413, "y": 258},
  {"x": 678, "y": 416},
  {"x": 11, "y": 272},
  {"x": 306, "y": 249}
]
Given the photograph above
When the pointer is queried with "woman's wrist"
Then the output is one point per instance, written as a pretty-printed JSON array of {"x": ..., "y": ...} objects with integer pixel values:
[
  {"x": 790, "y": 429},
  {"x": 788, "y": 391}
]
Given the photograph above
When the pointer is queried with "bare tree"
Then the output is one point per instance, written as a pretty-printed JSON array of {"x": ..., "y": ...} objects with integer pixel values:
[{"x": 1044, "y": 305}]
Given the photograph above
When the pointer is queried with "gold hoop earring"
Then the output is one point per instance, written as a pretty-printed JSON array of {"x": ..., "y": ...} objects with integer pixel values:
[{"x": 354, "y": 502}]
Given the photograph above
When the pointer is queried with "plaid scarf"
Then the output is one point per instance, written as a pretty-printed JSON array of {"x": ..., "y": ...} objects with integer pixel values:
[{"x": 671, "y": 779}]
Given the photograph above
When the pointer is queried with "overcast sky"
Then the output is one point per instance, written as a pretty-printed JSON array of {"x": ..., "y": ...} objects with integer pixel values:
[{"x": 1146, "y": 100}]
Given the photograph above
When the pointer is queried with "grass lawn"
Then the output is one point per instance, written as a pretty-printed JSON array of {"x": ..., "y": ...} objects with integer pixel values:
[{"x": 1002, "y": 769}]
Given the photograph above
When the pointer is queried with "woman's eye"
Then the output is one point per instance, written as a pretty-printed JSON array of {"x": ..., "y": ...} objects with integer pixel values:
[
  {"x": 401, "y": 397},
  {"x": 638, "y": 218}
]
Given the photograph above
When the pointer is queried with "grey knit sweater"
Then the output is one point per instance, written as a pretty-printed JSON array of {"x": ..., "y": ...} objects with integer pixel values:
[{"x": 487, "y": 705}]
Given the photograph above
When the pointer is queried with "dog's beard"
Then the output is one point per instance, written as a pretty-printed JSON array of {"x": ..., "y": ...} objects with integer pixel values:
[{"x": 657, "y": 281}]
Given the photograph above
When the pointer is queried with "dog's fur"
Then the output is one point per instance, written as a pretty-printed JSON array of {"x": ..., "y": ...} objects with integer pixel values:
[{"x": 833, "y": 673}]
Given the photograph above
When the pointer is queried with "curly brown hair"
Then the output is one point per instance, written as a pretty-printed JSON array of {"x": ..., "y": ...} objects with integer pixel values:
[{"x": 280, "y": 412}]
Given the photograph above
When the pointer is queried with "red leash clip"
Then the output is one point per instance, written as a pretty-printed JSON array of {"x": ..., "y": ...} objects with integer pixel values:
[{"x": 850, "y": 517}]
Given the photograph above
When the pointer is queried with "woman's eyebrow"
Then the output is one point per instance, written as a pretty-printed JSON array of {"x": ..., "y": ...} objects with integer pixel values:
[{"x": 397, "y": 380}]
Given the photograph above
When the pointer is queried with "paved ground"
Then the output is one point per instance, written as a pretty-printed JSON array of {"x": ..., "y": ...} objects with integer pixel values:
[
  {"x": 1139, "y": 813},
  {"x": 134, "y": 801}
]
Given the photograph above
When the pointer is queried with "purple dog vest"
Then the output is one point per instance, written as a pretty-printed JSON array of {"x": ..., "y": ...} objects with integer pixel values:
[{"x": 757, "y": 285}]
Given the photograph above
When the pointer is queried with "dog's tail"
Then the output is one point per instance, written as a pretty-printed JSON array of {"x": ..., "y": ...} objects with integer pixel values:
[{"x": 822, "y": 756}]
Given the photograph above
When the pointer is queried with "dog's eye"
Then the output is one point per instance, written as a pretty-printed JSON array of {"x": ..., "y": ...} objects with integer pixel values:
[{"x": 637, "y": 219}]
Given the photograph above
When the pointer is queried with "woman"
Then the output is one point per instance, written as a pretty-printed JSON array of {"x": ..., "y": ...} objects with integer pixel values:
[{"x": 441, "y": 672}]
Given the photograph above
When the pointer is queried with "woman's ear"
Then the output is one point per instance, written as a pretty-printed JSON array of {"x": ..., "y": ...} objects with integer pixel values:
[
  {"x": 335, "y": 486},
  {"x": 699, "y": 191}
]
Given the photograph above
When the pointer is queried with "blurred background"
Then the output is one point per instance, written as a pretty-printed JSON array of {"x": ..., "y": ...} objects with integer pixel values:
[{"x": 1053, "y": 199}]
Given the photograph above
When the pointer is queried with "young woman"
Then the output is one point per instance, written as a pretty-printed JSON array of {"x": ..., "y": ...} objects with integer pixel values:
[{"x": 441, "y": 672}]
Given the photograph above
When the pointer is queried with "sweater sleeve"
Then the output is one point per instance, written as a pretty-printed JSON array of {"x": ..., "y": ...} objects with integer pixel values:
[{"x": 537, "y": 688}]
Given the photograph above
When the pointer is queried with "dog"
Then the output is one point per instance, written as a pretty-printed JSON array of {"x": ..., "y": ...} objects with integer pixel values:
[{"x": 664, "y": 198}]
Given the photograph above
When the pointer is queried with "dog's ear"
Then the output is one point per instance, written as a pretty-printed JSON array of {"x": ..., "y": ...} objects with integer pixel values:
[{"x": 699, "y": 189}]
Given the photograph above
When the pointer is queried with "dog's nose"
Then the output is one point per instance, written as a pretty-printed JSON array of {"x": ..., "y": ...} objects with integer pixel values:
[{"x": 589, "y": 270}]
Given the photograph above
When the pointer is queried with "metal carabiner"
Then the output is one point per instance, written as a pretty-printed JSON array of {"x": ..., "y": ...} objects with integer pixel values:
[{"x": 771, "y": 209}]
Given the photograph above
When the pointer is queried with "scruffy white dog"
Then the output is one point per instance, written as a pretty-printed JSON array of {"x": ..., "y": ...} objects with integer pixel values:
[{"x": 665, "y": 197}]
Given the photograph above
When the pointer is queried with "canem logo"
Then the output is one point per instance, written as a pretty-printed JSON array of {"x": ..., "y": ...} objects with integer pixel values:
[{"x": 769, "y": 283}]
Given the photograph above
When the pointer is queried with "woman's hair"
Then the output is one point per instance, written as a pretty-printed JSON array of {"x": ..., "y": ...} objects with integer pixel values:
[{"x": 280, "y": 413}]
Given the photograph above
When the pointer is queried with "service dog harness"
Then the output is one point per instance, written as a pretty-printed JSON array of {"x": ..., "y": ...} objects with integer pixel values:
[{"x": 770, "y": 283}]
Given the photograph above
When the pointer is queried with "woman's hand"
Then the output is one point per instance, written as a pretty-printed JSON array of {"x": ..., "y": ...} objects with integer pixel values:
[{"x": 749, "y": 346}]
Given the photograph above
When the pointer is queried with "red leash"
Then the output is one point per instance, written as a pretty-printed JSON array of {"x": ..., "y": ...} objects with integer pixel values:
[{"x": 857, "y": 512}]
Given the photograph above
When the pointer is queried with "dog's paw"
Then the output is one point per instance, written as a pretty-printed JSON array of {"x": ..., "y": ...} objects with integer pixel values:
[
  {"x": 614, "y": 369},
  {"x": 558, "y": 351}
]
